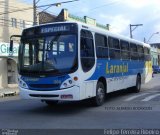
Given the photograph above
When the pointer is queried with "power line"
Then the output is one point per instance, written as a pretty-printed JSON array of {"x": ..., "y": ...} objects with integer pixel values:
[
  {"x": 3, "y": 5},
  {"x": 46, "y": 8},
  {"x": 4, "y": 1},
  {"x": 9, "y": 7},
  {"x": 104, "y": 5},
  {"x": 37, "y": 1},
  {"x": 25, "y": 0},
  {"x": 17, "y": 22},
  {"x": 24, "y": 9},
  {"x": 48, "y": 11},
  {"x": 111, "y": 3},
  {"x": 35, "y": 8}
]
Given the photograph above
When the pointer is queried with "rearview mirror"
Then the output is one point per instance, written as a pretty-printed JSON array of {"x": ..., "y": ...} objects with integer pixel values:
[
  {"x": 11, "y": 46},
  {"x": 11, "y": 42}
]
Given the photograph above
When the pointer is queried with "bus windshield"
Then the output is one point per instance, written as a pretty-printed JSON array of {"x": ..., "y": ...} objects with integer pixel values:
[{"x": 53, "y": 54}]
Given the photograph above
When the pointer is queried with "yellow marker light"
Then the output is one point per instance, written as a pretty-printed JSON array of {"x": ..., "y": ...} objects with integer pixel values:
[{"x": 75, "y": 78}]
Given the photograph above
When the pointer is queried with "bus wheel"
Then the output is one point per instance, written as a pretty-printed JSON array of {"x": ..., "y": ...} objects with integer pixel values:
[
  {"x": 98, "y": 100},
  {"x": 51, "y": 102},
  {"x": 137, "y": 88}
]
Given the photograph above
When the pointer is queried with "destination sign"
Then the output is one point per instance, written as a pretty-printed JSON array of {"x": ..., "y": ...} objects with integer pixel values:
[{"x": 51, "y": 29}]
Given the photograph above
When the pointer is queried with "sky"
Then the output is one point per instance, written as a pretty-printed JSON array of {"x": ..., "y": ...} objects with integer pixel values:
[{"x": 118, "y": 13}]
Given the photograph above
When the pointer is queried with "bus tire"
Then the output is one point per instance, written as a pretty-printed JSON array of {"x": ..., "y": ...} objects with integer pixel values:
[
  {"x": 99, "y": 99},
  {"x": 51, "y": 102},
  {"x": 137, "y": 88}
]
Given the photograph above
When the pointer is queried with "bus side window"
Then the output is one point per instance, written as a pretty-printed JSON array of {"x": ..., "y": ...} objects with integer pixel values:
[
  {"x": 140, "y": 52},
  {"x": 134, "y": 53},
  {"x": 125, "y": 50},
  {"x": 101, "y": 46},
  {"x": 114, "y": 48},
  {"x": 147, "y": 56},
  {"x": 87, "y": 50}
]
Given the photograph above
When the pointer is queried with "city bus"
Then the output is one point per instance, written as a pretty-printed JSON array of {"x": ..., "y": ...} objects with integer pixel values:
[{"x": 72, "y": 61}]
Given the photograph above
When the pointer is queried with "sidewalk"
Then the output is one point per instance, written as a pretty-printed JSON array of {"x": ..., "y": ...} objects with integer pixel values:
[{"x": 9, "y": 92}]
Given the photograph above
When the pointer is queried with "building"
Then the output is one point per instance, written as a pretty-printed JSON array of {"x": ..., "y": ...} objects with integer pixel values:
[
  {"x": 154, "y": 56},
  {"x": 64, "y": 15},
  {"x": 45, "y": 17},
  {"x": 155, "y": 53},
  {"x": 12, "y": 22}
]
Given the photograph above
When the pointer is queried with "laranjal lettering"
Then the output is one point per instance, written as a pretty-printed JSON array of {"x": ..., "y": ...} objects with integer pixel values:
[{"x": 112, "y": 69}]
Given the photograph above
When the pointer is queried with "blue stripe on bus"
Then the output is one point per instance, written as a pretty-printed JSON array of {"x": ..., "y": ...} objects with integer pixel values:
[
  {"x": 115, "y": 68},
  {"x": 46, "y": 83}
]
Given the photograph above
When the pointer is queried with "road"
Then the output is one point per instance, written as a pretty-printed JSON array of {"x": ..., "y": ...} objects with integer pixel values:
[{"x": 121, "y": 110}]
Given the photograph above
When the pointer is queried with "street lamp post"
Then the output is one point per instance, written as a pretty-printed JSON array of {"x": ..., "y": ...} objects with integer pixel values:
[
  {"x": 48, "y": 6},
  {"x": 152, "y": 36}
]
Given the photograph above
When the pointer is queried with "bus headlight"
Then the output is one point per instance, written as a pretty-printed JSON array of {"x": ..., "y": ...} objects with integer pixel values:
[
  {"x": 22, "y": 83},
  {"x": 67, "y": 83},
  {"x": 70, "y": 81}
]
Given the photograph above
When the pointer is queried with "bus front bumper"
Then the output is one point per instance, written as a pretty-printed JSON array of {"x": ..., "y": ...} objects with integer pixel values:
[{"x": 69, "y": 94}]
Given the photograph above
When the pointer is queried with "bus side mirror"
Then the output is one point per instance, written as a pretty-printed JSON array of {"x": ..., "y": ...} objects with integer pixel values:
[
  {"x": 11, "y": 42},
  {"x": 11, "y": 46}
]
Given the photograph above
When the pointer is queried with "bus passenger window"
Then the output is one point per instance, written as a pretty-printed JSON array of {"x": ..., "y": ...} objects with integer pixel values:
[
  {"x": 147, "y": 56},
  {"x": 114, "y": 48},
  {"x": 61, "y": 46},
  {"x": 125, "y": 50},
  {"x": 134, "y": 53},
  {"x": 141, "y": 52},
  {"x": 101, "y": 46}
]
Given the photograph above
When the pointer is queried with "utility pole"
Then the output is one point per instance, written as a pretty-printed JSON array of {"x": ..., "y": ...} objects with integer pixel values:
[
  {"x": 34, "y": 13},
  {"x": 108, "y": 26},
  {"x": 135, "y": 26},
  {"x": 49, "y": 5}
]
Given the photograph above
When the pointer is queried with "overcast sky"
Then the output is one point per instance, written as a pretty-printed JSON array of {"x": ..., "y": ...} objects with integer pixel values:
[{"x": 118, "y": 13}]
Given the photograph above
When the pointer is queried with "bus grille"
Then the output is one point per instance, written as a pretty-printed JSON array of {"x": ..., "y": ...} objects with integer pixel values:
[
  {"x": 44, "y": 85},
  {"x": 42, "y": 95}
]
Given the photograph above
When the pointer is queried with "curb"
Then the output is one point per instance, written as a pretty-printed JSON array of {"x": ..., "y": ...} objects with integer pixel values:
[
  {"x": 8, "y": 93},
  {"x": 1, "y": 95}
]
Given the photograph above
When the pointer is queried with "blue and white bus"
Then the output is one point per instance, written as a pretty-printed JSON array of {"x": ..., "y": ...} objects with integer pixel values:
[{"x": 71, "y": 61}]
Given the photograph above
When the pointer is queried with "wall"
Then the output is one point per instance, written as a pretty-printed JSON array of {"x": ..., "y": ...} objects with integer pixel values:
[
  {"x": 6, "y": 24},
  {"x": 3, "y": 73},
  {"x": 24, "y": 19},
  {"x": 154, "y": 55}
]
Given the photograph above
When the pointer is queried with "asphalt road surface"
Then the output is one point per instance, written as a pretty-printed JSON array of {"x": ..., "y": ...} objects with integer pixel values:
[{"x": 121, "y": 110}]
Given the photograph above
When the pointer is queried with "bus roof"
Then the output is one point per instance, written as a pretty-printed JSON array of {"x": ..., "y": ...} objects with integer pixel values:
[
  {"x": 100, "y": 31},
  {"x": 106, "y": 32}
]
